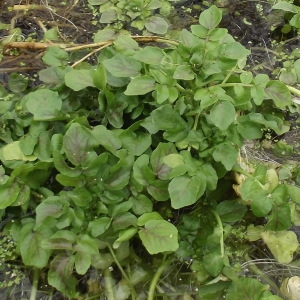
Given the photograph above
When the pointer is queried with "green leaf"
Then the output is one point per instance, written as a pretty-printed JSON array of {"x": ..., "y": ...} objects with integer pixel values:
[
  {"x": 246, "y": 288},
  {"x": 62, "y": 166},
  {"x": 142, "y": 220},
  {"x": 77, "y": 142},
  {"x": 126, "y": 45},
  {"x": 108, "y": 16},
  {"x": 30, "y": 245},
  {"x": 56, "y": 57},
  {"x": 227, "y": 154},
  {"x": 173, "y": 160},
  {"x": 213, "y": 263},
  {"x": 167, "y": 119},
  {"x": 150, "y": 55},
  {"x": 60, "y": 274},
  {"x": 185, "y": 191},
  {"x": 123, "y": 221},
  {"x": 104, "y": 35},
  {"x": 280, "y": 218},
  {"x": 282, "y": 244},
  {"x": 99, "y": 77},
  {"x": 211, "y": 18},
  {"x": 83, "y": 262},
  {"x": 209, "y": 96},
  {"x": 122, "y": 66},
  {"x": 79, "y": 79},
  {"x": 99, "y": 226},
  {"x": 53, "y": 75},
  {"x": 160, "y": 169},
  {"x": 234, "y": 50},
  {"x": 250, "y": 130},
  {"x": 51, "y": 207},
  {"x": 294, "y": 193},
  {"x": 157, "y": 24},
  {"x": 140, "y": 86},
  {"x": 124, "y": 236},
  {"x": 231, "y": 211},
  {"x": 119, "y": 174},
  {"x": 9, "y": 192},
  {"x": 279, "y": 93},
  {"x": 295, "y": 21},
  {"x": 223, "y": 114},
  {"x": 286, "y": 6},
  {"x": 159, "y": 236},
  {"x": 209, "y": 173},
  {"x": 213, "y": 291},
  {"x": 107, "y": 138},
  {"x": 80, "y": 196},
  {"x": 136, "y": 143},
  {"x": 43, "y": 148},
  {"x": 162, "y": 93},
  {"x": 44, "y": 104},
  {"x": 13, "y": 151},
  {"x": 63, "y": 239},
  {"x": 17, "y": 82},
  {"x": 158, "y": 189},
  {"x": 183, "y": 72},
  {"x": 141, "y": 204},
  {"x": 142, "y": 172},
  {"x": 86, "y": 247}
]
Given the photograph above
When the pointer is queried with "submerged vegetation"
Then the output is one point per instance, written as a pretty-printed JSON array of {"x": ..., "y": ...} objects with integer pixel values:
[{"x": 125, "y": 165}]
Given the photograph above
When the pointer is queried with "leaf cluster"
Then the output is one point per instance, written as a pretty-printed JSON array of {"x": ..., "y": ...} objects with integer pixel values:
[
  {"x": 105, "y": 155},
  {"x": 139, "y": 14}
]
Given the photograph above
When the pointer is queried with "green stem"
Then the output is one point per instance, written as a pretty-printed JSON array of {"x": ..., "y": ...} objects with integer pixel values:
[
  {"x": 35, "y": 281},
  {"x": 228, "y": 75},
  {"x": 235, "y": 84},
  {"x": 195, "y": 126},
  {"x": 183, "y": 90},
  {"x": 133, "y": 292},
  {"x": 238, "y": 169},
  {"x": 293, "y": 90},
  {"x": 222, "y": 232},
  {"x": 155, "y": 279},
  {"x": 109, "y": 285}
]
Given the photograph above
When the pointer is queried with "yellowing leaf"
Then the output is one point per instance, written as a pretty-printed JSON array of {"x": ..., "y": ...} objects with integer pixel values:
[{"x": 282, "y": 244}]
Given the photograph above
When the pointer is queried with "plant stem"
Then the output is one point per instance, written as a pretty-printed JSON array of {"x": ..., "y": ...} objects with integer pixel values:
[
  {"x": 222, "y": 232},
  {"x": 293, "y": 90},
  {"x": 238, "y": 169},
  {"x": 133, "y": 292},
  {"x": 195, "y": 126},
  {"x": 109, "y": 285},
  {"x": 228, "y": 75},
  {"x": 35, "y": 280},
  {"x": 234, "y": 84},
  {"x": 155, "y": 279}
]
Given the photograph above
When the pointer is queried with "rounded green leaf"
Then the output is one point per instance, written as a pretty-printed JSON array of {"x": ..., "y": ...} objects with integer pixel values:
[
  {"x": 122, "y": 66},
  {"x": 211, "y": 18},
  {"x": 231, "y": 210},
  {"x": 79, "y": 79},
  {"x": 159, "y": 236},
  {"x": 140, "y": 86},
  {"x": 279, "y": 93},
  {"x": 44, "y": 104},
  {"x": 223, "y": 114},
  {"x": 157, "y": 25},
  {"x": 185, "y": 191}
]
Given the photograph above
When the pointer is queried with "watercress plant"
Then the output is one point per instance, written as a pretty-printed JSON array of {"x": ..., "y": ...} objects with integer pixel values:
[{"x": 97, "y": 161}]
